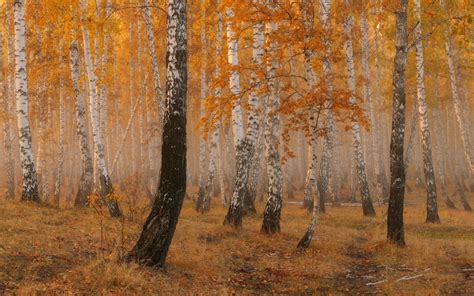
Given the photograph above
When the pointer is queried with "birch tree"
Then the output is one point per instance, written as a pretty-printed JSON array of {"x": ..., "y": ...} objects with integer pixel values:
[
  {"x": 458, "y": 108},
  {"x": 381, "y": 178},
  {"x": 234, "y": 213},
  {"x": 328, "y": 144},
  {"x": 7, "y": 128},
  {"x": 30, "y": 183},
  {"x": 272, "y": 212},
  {"x": 215, "y": 153},
  {"x": 310, "y": 183},
  {"x": 106, "y": 188},
  {"x": 431, "y": 198},
  {"x": 155, "y": 239},
  {"x": 253, "y": 118},
  {"x": 202, "y": 204},
  {"x": 395, "y": 232},
  {"x": 62, "y": 127},
  {"x": 367, "y": 206},
  {"x": 85, "y": 184}
]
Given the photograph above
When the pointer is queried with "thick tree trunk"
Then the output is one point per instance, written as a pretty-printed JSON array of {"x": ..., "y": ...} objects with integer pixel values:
[
  {"x": 395, "y": 233},
  {"x": 431, "y": 198},
  {"x": 106, "y": 191},
  {"x": 234, "y": 214},
  {"x": 7, "y": 129},
  {"x": 85, "y": 184},
  {"x": 253, "y": 126},
  {"x": 367, "y": 206},
  {"x": 30, "y": 183},
  {"x": 155, "y": 239},
  {"x": 272, "y": 212}
]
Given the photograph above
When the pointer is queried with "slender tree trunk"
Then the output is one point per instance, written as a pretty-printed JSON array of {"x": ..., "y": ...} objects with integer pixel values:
[
  {"x": 106, "y": 187},
  {"x": 458, "y": 108},
  {"x": 409, "y": 153},
  {"x": 381, "y": 177},
  {"x": 62, "y": 127},
  {"x": 7, "y": 128},
  {"x": 459, "y": 184},
  {"x": 155, "y": 239},
  {"x": 308, "y": 236},
  {"x": 132, "y": 92},
  {"x": 272, "y": 212},
  {"x": 328, "y": 145},
  {"x": 202, "y": 194},
  {"x": 103, "y": 90},
  {"x": 395, "y": 233},
  {"x": 30, "y": 183},
  {"x": 431, "y": 198},
  {"x": 371, "y": 151},
  {"x": 222, "y": 166},
  {"x": 441, "y": 154},
  {"x": 85, "y": 184},
  {"x": 124, "y": 136},
  {"x": 157, "y": 90},
  {"x": 214, "y": 143},
  {"x": 310, "y": 182},
  {"x": 367, "y": 206}
]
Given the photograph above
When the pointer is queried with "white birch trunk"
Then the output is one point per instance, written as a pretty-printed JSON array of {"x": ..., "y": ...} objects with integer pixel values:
[
  {"x": 234, "y": 214},
  {"x": 458, "y": 108},
  {"x": 431, "y": 198},
  {"x": 371, "y": 150},
  {"x": 62, "y": 126},
  {"x": 103, "y": 90},
  {"x": 125, "y": 135},
  {"x": 158, "y": 92},
  {"x": 310, "y": 183},
  {"x": 272, "y": 212},
  {"x": 328, "y": 145},
  {"x": 7, "y": 128},
  {"x": 106, "y": 187},
  {"x": 234, "y": 82},
  {"x": 214, "y": 143},
  {"x": 85, "y": 185},
  {"x": 30, "y": 183},
  {"x": 381, "y": 178},
  {"x": 358, "y": 149},
  {"x": 132, "y": 92},
  {"x": 202, "y": 205}
]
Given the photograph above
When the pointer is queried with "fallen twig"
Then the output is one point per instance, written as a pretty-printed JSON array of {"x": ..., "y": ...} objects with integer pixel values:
[
  {"x": 376, "y": 283},
  {"x": 407, "y": 278}
]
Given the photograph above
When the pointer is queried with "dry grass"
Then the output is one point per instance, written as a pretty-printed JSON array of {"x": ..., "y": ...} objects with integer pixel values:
[{"x": 49, "y": 251}]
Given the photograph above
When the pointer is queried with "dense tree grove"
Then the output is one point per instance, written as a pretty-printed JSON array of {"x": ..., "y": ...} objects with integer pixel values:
[{"x": 246, "y": 105}]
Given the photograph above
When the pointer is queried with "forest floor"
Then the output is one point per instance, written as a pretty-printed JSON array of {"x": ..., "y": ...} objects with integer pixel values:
[{"x": 47, "y": 251}]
